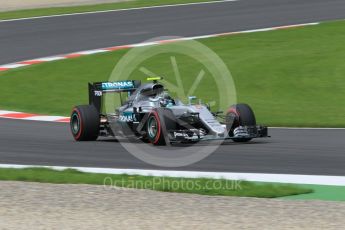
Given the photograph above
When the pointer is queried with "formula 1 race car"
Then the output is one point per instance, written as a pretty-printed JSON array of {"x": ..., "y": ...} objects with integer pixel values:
[{"x": 150, "y": 114}]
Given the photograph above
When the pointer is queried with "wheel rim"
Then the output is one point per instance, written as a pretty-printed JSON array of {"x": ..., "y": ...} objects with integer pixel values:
[
  {"x": 152, "y": 127},
  {"x": 75, "y": 123}
]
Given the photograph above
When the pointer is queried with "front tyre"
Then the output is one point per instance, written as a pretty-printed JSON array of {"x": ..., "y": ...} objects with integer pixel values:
[
  {"x": 239, "y": 115},
  {"x": 84, "y": 123},
  {"x": 154, "y": 129},
  {"x": 160, "y": 122}
]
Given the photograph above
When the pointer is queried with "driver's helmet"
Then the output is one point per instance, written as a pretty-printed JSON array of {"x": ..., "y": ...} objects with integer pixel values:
[{"x": 166, "y": 100}]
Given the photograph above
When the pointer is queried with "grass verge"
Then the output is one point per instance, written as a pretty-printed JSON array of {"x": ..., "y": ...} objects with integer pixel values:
[
  {"x": 90, "y": 8},
  {"x": 200, "y": 186},
  {"x": 292, "y": 77},
  {"x": 321, "y": 192}
]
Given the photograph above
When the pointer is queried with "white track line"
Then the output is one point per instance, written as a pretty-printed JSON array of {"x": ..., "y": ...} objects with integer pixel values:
[
  {"x": 128, "y": 9},
  {"x": 257, "y": 177},
  {"x": 307, "y": 128}
]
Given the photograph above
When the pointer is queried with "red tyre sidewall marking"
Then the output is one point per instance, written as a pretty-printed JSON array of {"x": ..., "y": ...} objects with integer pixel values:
[
  {"x": 233, "y": 110},
  {"x": 80, "y": 125},
  {"x": 155, "y": 114}
]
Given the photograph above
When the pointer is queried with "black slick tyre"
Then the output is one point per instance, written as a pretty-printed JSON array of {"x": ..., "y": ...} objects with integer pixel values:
[
  {"x": 159, "y": 122},
  {"x": 239, "y": 115},
  {"x": 84, "y": 123}
]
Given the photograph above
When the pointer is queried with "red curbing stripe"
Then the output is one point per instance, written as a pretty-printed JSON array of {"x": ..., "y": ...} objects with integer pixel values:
[
  {"x": 169, "y": 41},
  {"x": 66, "y": 120},
  {"x": 74, "y": 55},
  {"x": 31, "y": 62},
  {"x": 117, "y": 48},
  {"x": 3, "y": 69},
  {"x": 31, "y": 116},
  {"x": 18, "y": 115}
]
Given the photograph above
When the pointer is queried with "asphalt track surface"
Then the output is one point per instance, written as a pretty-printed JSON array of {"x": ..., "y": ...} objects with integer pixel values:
[
  {"x": 319, "y": 152},
  {"x": 21, "y": 40}
]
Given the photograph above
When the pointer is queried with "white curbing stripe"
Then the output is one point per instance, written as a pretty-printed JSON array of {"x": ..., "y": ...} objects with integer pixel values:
[
  {"x": 88, "y": 52},
  {"x": 2, "y": 112},
  {"x": 47, "y": 59},
  {"x": 111, "y": 49},
  {"x": 256, "y": 177},
  {"x": 13, "y": 66},
  {"x": 46, "y": 118},
  {"x": 146, "y": 44}
]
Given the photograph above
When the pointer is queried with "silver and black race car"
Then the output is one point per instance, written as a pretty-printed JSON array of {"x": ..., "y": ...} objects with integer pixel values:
[{"x": 150, "y": 114}]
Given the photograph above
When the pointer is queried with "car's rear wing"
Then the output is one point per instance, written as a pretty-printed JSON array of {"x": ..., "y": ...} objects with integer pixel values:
[{"x": 97, "y": 89}]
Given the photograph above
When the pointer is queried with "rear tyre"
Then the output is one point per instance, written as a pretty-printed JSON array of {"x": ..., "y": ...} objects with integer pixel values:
[
  {"x": 84, "y": 123},
  {"x": 239, "y": 115}
]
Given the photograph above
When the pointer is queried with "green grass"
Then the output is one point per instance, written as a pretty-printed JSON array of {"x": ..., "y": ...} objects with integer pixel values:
[
  {"x": 291, "y": 77},
  {"x": 200, "y": 186},
  {"x": 89, "y": 8},
  {"x": 321, "y": 192}
]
